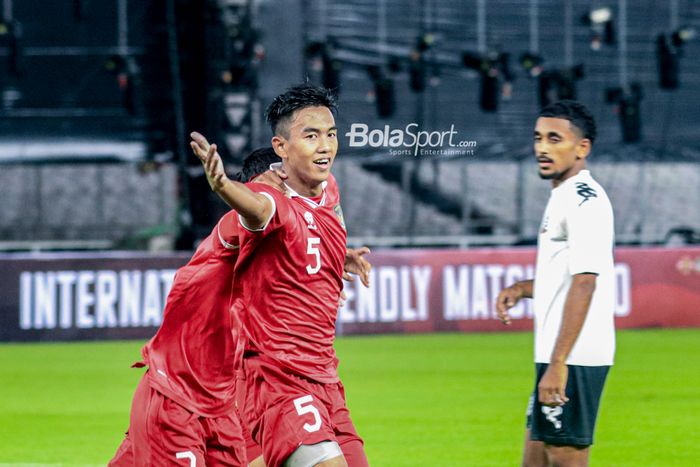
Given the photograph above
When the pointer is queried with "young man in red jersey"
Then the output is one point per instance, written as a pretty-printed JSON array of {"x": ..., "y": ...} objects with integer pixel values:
[
  {"x": 183, "y": 411},
  {"x": 288, "y": 281}
]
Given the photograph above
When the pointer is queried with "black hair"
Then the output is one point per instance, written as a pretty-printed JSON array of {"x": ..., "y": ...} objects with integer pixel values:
[
  {"x": 280, "y": 111},
  {"x": 256, "y": 163},
  {"x": 576, "y": 113}
]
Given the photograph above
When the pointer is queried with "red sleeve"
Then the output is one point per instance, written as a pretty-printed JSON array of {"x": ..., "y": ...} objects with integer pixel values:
[
  {"x": 227, "y": 230},
  {"x": 280, "y": 208}
]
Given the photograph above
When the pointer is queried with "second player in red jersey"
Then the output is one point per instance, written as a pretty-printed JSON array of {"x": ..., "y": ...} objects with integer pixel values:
[{"x": 184, "y": 408}]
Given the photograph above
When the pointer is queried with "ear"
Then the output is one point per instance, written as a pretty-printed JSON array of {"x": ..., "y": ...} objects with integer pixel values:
[
  {"x": 583, "y": 148},
  {"x": 279, "y": 144}
]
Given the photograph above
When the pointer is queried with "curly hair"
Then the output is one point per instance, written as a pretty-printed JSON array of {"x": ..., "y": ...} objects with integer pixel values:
[{"x": 576, "y": 113}]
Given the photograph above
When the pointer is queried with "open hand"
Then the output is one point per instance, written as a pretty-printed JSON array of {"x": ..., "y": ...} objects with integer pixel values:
[{"x": 208, "y": 155}]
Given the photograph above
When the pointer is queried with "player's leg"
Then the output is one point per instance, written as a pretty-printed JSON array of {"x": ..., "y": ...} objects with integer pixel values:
[
  {"x": 323, "y": 454},
  {"x": 163, "y": 432},
  {"x": 534, "y": 454},
  {"x": 287, "y": 418},
  {"x": 296, "y": 430},
  {"x": 567, "y": 456},
  {"x": 567, "y": 431},
  {"x": 124, "y": 457},
  {"x": 350, "y": 442},
  {"x": 125, "y": 454},
  {"x": 224, "y": 441},
  {"x": 253, "y": 449},
  {"x": 354, "y": 452}
]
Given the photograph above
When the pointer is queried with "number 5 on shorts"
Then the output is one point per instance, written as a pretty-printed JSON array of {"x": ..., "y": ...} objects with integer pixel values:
[{"x": 303, "y": 409}]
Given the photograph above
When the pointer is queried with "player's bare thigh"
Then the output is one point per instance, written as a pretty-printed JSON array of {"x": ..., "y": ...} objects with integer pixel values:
[
  {"x": 534, "y": 454},
  {"x": 335, "y": 462},
  {"x": 323, "y": 454},
  {"x": 567, "y": 456},
  {"x": 540, "y": 454}
]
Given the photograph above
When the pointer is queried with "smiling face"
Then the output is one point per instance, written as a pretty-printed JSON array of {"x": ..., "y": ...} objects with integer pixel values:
[
  {"x": 307, "y": 145},
  {"x": 560, "y": 149}
]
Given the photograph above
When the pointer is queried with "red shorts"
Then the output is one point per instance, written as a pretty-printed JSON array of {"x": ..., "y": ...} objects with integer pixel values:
[
  {"x": 284, "y": 411},
  {"x": 253, "y": 449},
  {"x": 162, "y": 432}
]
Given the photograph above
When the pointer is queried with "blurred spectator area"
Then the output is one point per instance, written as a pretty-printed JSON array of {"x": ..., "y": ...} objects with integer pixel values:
[
  {"x": 126, "y": 204},
  {"x": 385, "y": 33},
  {"x": 97, "y": 99},
  {"x": 106, "y": 205},
  {"x": 505, "y": 200}
]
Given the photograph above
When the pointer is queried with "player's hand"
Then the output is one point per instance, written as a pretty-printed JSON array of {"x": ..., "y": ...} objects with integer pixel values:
[
  {"x": 507, "y": 299},
  {"x": 356, "y": 264},
  {"x": 274, "y": 178},
  {"x": 213, "y": 166},
  {"x": 342, "y": 299},
  {"x": 551, "y": 389}
]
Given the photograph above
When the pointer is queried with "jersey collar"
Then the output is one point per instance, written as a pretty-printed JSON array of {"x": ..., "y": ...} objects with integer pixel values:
[
  {"x": 583, "y": 173},
  {"x": 293, "y": 194}
]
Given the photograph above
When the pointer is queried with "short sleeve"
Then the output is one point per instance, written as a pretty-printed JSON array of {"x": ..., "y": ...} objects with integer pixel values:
[
  {"x": 280, "y": 208},
  {"x": 227, "y": 230},
  {"x": 590, "y": 230}
]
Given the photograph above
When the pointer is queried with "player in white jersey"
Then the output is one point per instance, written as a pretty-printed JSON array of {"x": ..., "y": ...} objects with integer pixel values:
[{"x": 573, "y": 293}]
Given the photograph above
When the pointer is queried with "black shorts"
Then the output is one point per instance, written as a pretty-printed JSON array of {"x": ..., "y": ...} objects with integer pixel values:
[{"x": 573, "y": 423}]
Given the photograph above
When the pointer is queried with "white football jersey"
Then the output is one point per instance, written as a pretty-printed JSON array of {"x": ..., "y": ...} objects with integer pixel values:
[{"x": 576, "y": 236}]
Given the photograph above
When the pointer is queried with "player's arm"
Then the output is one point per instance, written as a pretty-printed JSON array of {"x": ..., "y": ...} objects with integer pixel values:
[
  {"x": 590, "y": 231},
  {"x": 510, "y": 296},
  {"x": 552, "y": 386},
  {"x": 254, "y": 208}
]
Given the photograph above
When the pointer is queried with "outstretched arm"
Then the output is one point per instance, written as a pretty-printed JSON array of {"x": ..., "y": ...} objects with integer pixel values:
[{"x": 254, "y": 208}]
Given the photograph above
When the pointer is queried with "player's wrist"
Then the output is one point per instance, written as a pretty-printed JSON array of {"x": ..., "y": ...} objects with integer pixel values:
[
  {"x": 219, "y": 184},
  {"x": 520, "y": 290},
  {"x": 557, "y": 360}
]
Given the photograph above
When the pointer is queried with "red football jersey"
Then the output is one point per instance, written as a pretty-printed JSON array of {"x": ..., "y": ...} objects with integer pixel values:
[
  {"x": 288, "y": 281},
  {"x": 192, "y": 356}
]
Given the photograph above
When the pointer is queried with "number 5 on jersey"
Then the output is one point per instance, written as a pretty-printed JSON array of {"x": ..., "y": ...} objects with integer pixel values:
[
  {"x": 303, "y": 406},
  {"x": 312, "y": 249}
]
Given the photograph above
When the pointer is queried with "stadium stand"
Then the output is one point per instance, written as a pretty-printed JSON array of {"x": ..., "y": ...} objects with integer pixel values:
[{"x": 89, "y": 130}]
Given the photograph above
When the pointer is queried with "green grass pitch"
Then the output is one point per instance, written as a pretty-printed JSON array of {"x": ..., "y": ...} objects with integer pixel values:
[{"x": 423, "y": 400}]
